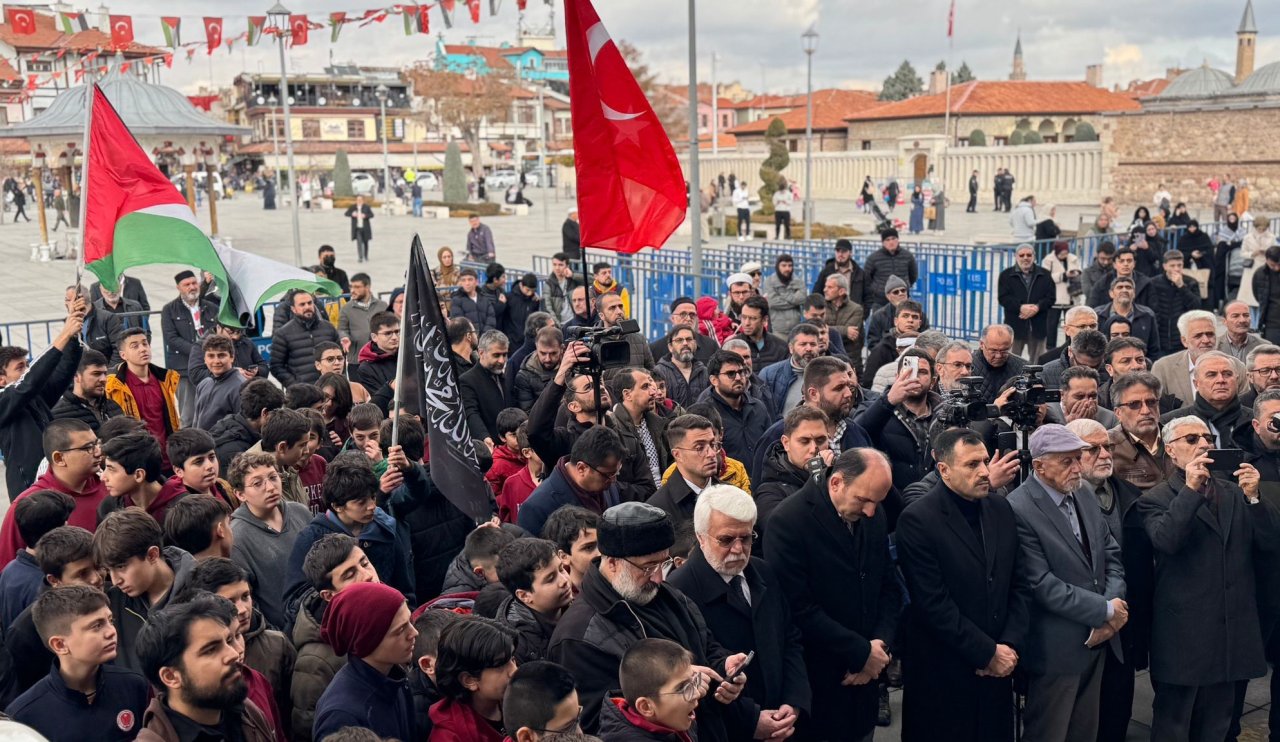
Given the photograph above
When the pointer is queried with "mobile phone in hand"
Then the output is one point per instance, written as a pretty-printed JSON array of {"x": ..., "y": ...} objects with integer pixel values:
[{"x": 1225, "y": 460}]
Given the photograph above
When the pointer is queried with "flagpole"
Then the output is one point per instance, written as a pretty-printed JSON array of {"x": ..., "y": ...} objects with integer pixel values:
[
  {"x": 395, "y": 391},
  {"x": 946, "y": 116},
  {"x": 90, "y": 89}
]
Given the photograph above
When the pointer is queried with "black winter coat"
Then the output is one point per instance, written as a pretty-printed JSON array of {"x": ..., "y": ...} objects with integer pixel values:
[
  {"x": 994, "y": 378},
  {"x": 519, "y": 307},
  {"x": 1012, "y": 293},
  {"x": 907, "y": 455},
  {"x": 744, "y": 428},
  {"x": 530, "y": 380},
  {"x": 777, "y": 674},
  {"x": 967, "y": 596},
  {"x": 857, "y": 280},
  {"x": 232, "y": 435},
  {"x": 1169, "y": 301},
  {"x": 293, "y": 349},
  {"x": 1139, "y": 571},
  {"x": 779, "y": 480},
  {"x": 880, "y": 324},
  {"x": 437, "y": 530},
  {"x": 25, "y": 410},
  {"x": 843, "y": 593},
  {"x": 482, "y": 400},
  {"x": 93, "y": 414},
  {"x": 480, "y": 310},
  {"x": 1262, "y": 292},
  {"x": 181, "y": 333},
  {"x": 880, "y": 265},
  {"x": 1100, "y": 293}
]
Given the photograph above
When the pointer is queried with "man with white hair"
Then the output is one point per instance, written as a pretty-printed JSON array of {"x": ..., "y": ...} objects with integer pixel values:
[
  {"x": 741, "y": 598},
  {"x": 1217, "y": 399},
  {"x": 1206, "y": 635},
  {"x": 1073, "y": 564},
  {"x": 994, "y": 361},
  {"x": 1116, "y": 498},
  {"x": 1199, "y": 332},
  {"x": 1077, "y": 318}
]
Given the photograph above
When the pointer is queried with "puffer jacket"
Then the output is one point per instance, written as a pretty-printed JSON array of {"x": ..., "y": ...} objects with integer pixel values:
[
  {"x": 880, "y": 265},
  {"x": 232, "y": 435},
  {"x": 778, "y": 377},
  {"x": 907, "y": 455},
  {"x": 779, "y": 480},
  {"x": 460, "y": 578},
  {"x": 530, "y": 380},
  {"x": 118, "y": 392},
  {"x": 293, "y": 349},
  {"x": 436, "y": 529},
  {"x": 480, "y": 310},
  {"x": 377, "y": 367},
  {"x": 93, "y": 414},
  {"x": 533, "y": 630},
  {"x": 315, "y": 666},
  {"x": 271, "y": 653},
  {"x": 381, "y": 540}
]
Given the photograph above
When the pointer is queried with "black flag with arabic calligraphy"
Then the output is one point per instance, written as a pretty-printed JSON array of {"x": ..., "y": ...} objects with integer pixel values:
[{"x": 431, "y": 388}]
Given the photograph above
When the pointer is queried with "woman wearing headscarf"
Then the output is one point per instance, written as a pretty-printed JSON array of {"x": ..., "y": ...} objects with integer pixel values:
[
  {"x": 1253, "y": 254},
  {"x": 1180, "y": 217},
  {"x": 446, "y": 272},
  {"x": 1227, "y": 264},
  {"x": 916, "y": 225},
  {"x": 1065, "y": 269},
  {"x": 1197, "y": 256},
  {"x": 1141, "y": 216}
]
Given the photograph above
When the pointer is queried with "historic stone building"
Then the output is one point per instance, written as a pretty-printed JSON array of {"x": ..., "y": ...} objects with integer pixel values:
[{"x": 1206, "y": 122}]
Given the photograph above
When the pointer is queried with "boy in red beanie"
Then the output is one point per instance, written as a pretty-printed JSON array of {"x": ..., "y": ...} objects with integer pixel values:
[{"x": 370, "y": 623}]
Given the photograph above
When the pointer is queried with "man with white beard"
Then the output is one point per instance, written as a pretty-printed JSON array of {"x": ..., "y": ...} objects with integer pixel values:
[
  {"x": 740, "y": 596},
  {"x": 1117, "y": 496},
  {"x": 623, "y": 600}
]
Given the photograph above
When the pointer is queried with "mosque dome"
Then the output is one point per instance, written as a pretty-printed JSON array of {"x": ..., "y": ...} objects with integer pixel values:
[
  {"x": 1202, "y": 82},
  {"x": 1264, "y": 80}
]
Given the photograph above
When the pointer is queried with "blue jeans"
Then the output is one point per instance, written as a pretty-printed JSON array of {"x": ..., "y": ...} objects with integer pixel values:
[{"x": 417, "y": 207}]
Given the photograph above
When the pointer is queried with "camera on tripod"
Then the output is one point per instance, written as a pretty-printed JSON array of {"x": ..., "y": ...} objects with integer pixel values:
[
  {"x": 608, "y": 346},
  {"x": 965, "y": 404},
  {"x": 1028, "y": 394}
]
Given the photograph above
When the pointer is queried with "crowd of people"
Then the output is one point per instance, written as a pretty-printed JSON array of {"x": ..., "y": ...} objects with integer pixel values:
[{"x": 750, "y": 528}]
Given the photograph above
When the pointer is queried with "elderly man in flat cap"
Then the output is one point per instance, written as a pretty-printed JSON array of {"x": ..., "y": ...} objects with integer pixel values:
[
  {"x": 184, "y": 322},
  {"x": 1074, "y": 566}
]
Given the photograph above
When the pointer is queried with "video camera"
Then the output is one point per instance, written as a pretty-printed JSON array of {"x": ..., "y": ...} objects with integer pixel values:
[
  {"x": 965, "y": 404},
  {"x": 1029, "y": 393},
  {"x": 608, "y": 346}
]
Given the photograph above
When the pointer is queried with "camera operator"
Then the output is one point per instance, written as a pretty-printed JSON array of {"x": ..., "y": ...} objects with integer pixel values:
[
  {"x": 611, "y": 316},
  {"x": 551, "y": 441},
  {"x": 1262, "y": 439},
  {"x": 1087, "y": 349},
  {"x": 899, "y": 421}
]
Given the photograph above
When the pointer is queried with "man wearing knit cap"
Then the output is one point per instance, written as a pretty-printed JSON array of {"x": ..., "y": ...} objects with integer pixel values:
[
  {"x": 624, "y": 599},
  {"x": 1074, "y": 565},
  {"x": 371, "y": 625},
  {"x": 881, "y": 319},
  {"x": 184, "y": 322}
]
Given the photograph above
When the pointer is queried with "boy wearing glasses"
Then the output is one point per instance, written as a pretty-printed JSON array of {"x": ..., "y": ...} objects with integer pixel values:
[
  {"x": 661, "y": 689},
  {"x": 75, "y": 456},
  {"x": 378, "y": 356}
]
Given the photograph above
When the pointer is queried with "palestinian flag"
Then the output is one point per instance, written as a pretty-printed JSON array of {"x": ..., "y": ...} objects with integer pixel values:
[
  {"x": 335, "y": 22},
  {"x": 134, "y": 216},
  {"x": 71, "y": 23},
  {"x": 172, "y": 27},
  {"x": 256, "y": 24},
  {"x": 410, "y": 15}
]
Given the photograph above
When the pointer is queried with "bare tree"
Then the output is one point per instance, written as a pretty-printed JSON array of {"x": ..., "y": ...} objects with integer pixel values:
[
  {"x": 671, "y": 110},
  {"x": 466, "y": 103}
]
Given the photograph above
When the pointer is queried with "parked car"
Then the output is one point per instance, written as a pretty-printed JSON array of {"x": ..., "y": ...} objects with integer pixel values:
[
  {"x": 500, "y": 180},
  {"x": 363, "y": 184}
]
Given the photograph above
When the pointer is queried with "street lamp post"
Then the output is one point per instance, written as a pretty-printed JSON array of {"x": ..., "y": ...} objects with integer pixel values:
[
  {"x": 694, "y": 194},
  {"x": 279, "y": 16},
  {"x": 810, "y": 39},
  {"x": 275, "y": 144},
  {"x": 381, "y": 91}
]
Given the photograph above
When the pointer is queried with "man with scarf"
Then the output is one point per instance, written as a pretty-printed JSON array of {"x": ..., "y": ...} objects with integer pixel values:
[
  {"x": 624, "y": 599},
  {"x": 1217, "y": 399}
]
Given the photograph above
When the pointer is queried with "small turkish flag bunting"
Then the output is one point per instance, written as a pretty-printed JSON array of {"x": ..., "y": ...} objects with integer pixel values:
[
  {"x": 121, "y": 30},
  {"x": 213, "y": 32}
]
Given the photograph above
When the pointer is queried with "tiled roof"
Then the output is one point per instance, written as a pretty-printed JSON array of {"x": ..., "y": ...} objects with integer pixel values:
[
  {"x": 7, "y": 72},
  {"x": 48, "y": 36},
  {"x": 769, "y": 101},
  {"x": 1005, "y": 97},
  {"x": 1144, "y": 88},
  {"x": 830, "y": 109},
  {"x": 492, "y": 55}
]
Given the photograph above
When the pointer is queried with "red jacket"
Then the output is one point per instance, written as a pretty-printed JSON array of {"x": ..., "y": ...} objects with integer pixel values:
[
  {"x": 457, "y": 722},
  {"x": 712, "y": 322},
  {"x": 517, "y": 489},
  {"x": 85, "y": 515},
  {"x": 506, "y": 463},
  {"x": 172, "y": 491},
  {"x": 263, "y": 696}
]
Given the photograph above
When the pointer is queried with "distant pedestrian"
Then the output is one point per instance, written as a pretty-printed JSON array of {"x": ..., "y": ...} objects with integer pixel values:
[
  {"x": 269, "y": 195},
  {"x": 916, "y": 223},
  {"x": 19, "y": 202},
  {"x": 782, "y": 210},
  {"x": 973, "y": 194},
  {"x": 60, "y": 206},
  {"x": 479, "y": 241},
  {"x": 742, "y": 202},
  {"x": 361, "y": 229}
]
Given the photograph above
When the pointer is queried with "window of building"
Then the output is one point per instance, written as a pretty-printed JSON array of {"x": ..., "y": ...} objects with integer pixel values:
[
  {"x": 793, "y": 145},
  {"x": 1051, "y": 139},
  {"x": 703, "y": 122},
  {"x": 964, "y": 141},
  {"x": 39, "y": 66},
  {"x": 866, "y": 145},
  {"x": 355, "y": 128},
  {"x": 1000, "y": 141},
  {"x": 311, "y": 128}
]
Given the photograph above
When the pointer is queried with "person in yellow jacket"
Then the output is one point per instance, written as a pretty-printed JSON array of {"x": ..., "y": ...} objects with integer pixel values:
[
  {"x": 145, "y": 391},
  {"x": 604, "y": 284}
]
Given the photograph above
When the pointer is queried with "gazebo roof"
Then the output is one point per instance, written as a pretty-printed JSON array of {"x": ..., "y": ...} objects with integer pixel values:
[{"x": 148, "y": 110}]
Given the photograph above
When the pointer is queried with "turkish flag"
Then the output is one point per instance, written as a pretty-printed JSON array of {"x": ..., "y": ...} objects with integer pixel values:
[
  {"x": 298, "y": 28},
  {"x": 631, "y": 191},
  {"x": 121, "y": 30},
  {"x": 521, "y": 5},
  {"x": 474, "y": 7},
  {"x": 424, "y": 19},
  {"x": 213, "y": 32},
  {"x": 21, "y": 20}
]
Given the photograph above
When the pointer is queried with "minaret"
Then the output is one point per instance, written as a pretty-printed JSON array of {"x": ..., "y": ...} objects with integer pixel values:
[
  {"x": 1246, "y": 41},
  {"x": 1020, "y": 70}
]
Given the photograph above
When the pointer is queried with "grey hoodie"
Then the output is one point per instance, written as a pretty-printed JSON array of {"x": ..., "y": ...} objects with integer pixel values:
[
  {"x": 130, "y": 613},
  {"x": 264, "y": 553}
]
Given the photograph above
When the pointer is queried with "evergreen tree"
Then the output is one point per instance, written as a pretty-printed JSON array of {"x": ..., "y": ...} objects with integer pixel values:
[
  {"x": 771, "y": 169},
  {"x": 940, "y": 66},
  {"x": 1032, "y": 137},
  {"x": 1085, "y": 133},
  {"x": 455, "y": 181},
  {"x": 342, "y": 176},
  {"x": 977, "y": 138},
  {"x": 902, "y": 84},
  {"x": 963, "y": 75}
]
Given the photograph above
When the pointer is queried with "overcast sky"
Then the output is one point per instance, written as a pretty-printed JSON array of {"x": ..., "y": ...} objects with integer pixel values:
[{"x": 758, "y": 41}]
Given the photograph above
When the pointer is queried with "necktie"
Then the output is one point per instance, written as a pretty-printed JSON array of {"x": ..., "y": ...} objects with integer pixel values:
[
  {"x": 650, "y": 450},
  {"x": 1077, "y": 525},
  {"x": 738, "y": 598}
]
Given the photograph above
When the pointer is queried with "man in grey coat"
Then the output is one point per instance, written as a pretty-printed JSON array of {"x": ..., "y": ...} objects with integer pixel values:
[
  {"x": 786, "y": 295},
  {"x": 1074, "y": 566},
  {"x": 353, "y": 320}
]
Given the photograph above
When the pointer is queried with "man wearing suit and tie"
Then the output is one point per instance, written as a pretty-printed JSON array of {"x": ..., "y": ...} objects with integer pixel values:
[{"x": 1074, "y": 566}]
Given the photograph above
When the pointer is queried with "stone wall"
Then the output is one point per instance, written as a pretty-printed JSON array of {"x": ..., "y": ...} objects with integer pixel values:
[
  {"x": 1184, "y": 149},
  {"x": 885, "y": 134}
]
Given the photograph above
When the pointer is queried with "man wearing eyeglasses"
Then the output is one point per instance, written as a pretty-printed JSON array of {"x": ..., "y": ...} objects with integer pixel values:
[
  {"x": 741, "y": 598},
  {"x": 1206, "y": 633},
  {"x": 1076, "y": 319},
  {"x": 697, "y": 455},
  {"x": 378, "y": 356},
  {"x": 684, "y": 313},
  {"x": 1263, "y": 369},
  {"x": 1116, "y": 498},
  {"x": 995, "y": 361},
  {"x": 1026, "y": 294},
  {"x": 1140, "y": 455},
  {"x": 624, "y": 599},
  {"x": 745, "y": 418}
]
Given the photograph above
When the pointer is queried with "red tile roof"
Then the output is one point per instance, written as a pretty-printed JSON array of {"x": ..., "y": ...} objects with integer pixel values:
[
  {"x": 769, "y": 101},
  {"x": 7, "y": 72},
  {"x": 830, "y": 109},
  {"x": 1144, "y": 88},
  {"x": 1004, "y": 97},
  {"x": 49, "y": 37},
  {"x": 492, "y": 55}
]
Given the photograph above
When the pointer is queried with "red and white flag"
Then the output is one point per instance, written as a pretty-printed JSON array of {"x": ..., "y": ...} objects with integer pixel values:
[
  {"x": 21, "y": 20},
  {"x": 121, "y": 30},
  {"x": 951, "y": 20},
  {"x": 631, "y": 191},
  {"x": 213, "y": 32},
  {"x": 298, "y": 30}
]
